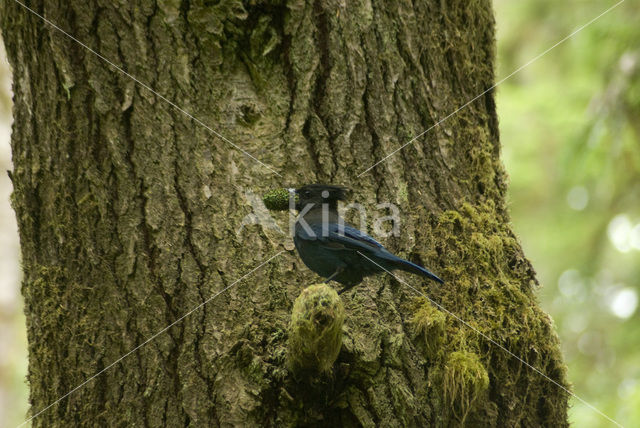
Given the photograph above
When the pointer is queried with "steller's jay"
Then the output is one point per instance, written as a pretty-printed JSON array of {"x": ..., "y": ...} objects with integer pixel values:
[{"x": 333, "y": 249}]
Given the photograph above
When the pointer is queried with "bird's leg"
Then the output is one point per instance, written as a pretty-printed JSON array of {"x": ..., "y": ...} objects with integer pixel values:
[
  {"x": 333, "y": 275},
  {"x": 345, "y": 288}
]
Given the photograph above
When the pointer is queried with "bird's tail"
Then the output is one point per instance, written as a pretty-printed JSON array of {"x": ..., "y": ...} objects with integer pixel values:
[{"x": 407, "y": 266}]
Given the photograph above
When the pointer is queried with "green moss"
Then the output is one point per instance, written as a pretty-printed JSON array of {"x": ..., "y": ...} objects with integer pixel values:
[
  {"x": 490, "y": 285},
  {"x": 479, "y": 244},
  {"x": 278, "y": 199},
  {"x": 429, "y": 325},
  {"x": 465, "y": 381},
  {"x": 403, "y": 192},
  {"x": 315, "y": 336}
]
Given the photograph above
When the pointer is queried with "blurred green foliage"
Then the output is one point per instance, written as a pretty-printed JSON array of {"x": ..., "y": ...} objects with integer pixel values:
[
  {"x": 13, "y": 335},
  {"x": 570, "y": 130}
]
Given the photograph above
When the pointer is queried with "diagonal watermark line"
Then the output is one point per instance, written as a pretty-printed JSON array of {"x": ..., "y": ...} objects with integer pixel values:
[
  {"x": 489, "y": 339},
  {"x": 519, "y": 69},
  {"x": 150, "y": 89},
  {"x": 150, "y": 339}
]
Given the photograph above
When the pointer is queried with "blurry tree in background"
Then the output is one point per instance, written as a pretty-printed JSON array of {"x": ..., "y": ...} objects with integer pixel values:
[
  {"x": 13, "y": 337},
  {"x": 570, "y": 126}
]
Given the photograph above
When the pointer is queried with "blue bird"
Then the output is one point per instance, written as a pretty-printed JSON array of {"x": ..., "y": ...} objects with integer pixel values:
[{"x": 336, "y": 250}]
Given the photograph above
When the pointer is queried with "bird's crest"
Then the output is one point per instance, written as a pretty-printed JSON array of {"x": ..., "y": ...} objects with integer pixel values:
[{"x": 324, "y": 191}]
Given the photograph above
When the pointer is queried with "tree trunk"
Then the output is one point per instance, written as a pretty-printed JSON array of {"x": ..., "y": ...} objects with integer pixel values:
[{"x": 130, "y": 214}]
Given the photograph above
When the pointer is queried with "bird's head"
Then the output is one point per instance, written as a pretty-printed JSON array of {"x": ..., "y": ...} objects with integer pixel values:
[{"x": 319, "y": 194}]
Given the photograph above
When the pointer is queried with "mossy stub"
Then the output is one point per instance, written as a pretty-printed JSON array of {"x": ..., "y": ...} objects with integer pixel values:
[
  {"x": 278, "y": 199},
  {"x": 315, "y": 336}
]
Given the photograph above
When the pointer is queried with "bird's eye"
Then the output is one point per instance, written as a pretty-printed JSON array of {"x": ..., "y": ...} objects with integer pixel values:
[{"x": 306, "y": 194}]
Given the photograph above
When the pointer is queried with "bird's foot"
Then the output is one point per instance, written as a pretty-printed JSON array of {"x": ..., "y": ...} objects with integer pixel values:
[
  {"x": 345, "y": 288},
  {"x": 333, "y": 275}
]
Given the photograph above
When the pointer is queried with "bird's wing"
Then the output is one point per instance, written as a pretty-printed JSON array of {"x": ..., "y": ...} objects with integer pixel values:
[
  {"x": 341, "y": 238},
  {"x": 352, "y": 240},
  {"x": 351, "y": 233}
]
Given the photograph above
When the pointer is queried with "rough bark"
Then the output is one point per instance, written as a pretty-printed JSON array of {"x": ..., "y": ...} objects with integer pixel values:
[{"x": 129, "y": 213}]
